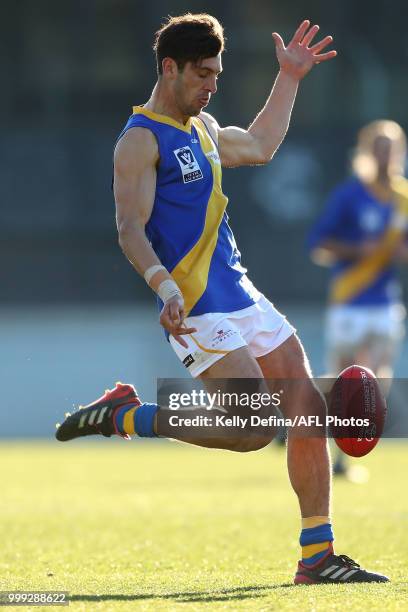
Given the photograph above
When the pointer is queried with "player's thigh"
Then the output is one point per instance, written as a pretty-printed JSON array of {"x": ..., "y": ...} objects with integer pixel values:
[
  {"x": 237, "y": 364},
  {"x": 374, "y": 351},
  {"x": 341, "y": 356},
  {"x": 287, "y": 371},
  {"x": 378, "y": 352},
  {"x": 289, "y": 360},
  {"x": 237, "y": 376}
]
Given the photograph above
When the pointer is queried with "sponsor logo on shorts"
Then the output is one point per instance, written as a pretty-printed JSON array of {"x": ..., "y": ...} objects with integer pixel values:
[
  {"x": 190, "y": 169},
  {"x": 188, "y": 360},
  {"x": 221, "y": 336},
  {"x": 200, "y": 357}
]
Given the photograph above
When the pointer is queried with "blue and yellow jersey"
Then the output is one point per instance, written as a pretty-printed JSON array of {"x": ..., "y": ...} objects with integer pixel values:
[
  {"x": 188, "y": 228},
  {"x": 354, "y": 215}
]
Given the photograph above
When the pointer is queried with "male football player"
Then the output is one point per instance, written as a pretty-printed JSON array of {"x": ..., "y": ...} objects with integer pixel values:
[{"x": 174, "y": 230}]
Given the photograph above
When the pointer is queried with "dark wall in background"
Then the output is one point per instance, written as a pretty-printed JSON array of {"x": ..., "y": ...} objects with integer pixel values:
[{"x": 71, "y": 72}]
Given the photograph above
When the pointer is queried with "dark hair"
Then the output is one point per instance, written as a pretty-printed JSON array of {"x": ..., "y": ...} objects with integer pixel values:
[{"x": 188, "y": 38}]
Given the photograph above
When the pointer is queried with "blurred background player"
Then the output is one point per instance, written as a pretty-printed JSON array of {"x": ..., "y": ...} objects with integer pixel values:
[{"x": 361, "y": 235}]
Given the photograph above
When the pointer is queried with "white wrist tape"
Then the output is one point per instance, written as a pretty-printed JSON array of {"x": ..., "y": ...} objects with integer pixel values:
[
  {"x": 150, "y": 272},
  {"x": 168, "y": 289}
]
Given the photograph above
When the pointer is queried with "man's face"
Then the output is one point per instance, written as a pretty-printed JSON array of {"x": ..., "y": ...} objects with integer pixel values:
[
  {"x": 388, "y": 153},
  {"x": 195, "y": 84},
  {"x": 382, "y": 151}
]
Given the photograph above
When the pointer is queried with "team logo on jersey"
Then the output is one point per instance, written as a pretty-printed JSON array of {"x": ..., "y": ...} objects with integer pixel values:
[{"x": 190, "y": 169}]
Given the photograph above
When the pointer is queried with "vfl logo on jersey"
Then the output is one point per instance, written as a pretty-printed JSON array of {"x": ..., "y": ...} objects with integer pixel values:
[{"x": 190, "y": 169}]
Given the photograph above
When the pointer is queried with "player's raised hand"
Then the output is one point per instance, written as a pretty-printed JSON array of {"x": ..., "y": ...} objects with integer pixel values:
[
  {"x": 299, "y": 57},
  {"x": 172, "y": 318}
]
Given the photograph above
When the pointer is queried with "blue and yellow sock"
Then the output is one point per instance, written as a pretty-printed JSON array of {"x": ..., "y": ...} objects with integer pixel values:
[
  {"x": 315, "y": 539},
  {"x": 131, "y": 419}
]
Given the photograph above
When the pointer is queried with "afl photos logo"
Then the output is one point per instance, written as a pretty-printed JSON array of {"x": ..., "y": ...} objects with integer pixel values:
[{"x": 190, "y": 169}]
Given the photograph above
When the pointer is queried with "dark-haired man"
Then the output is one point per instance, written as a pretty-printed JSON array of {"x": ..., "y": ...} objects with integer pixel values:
[{"x": 174, "y": 230}]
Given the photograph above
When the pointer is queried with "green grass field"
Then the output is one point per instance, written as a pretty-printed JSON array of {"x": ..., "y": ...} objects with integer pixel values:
[{"x": 163, "y": 526}]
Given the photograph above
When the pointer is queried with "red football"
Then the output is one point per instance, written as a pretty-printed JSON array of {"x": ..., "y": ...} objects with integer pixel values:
[{"x": 356, "y": 411}]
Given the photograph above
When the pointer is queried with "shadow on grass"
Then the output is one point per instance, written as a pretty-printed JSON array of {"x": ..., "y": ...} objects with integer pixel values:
[{"x": 205, "y": 596}]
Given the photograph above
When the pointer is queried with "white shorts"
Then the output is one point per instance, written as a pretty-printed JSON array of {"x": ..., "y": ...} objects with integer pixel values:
[
  {"x": 351, "y": 325},
  {"x": 260, "y": 327}
]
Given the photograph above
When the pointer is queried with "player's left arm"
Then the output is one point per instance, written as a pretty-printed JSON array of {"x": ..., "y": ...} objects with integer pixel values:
[{"x": 258, "y": 143}]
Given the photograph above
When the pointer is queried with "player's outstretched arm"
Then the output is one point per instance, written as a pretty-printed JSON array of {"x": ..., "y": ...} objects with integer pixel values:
[
  {"x": 258, "y": 144},
  {"x": 135, "y": 159},
  {"x": 330, "y": 251}
]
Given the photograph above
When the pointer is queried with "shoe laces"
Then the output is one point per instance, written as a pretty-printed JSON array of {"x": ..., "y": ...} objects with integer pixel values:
[{"x": 348, "y": 561}]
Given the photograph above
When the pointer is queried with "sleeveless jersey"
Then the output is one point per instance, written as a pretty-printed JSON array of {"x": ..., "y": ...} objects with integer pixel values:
[
  {"x": 188, "y": 228},
  {"x": 354, "y": 215}
]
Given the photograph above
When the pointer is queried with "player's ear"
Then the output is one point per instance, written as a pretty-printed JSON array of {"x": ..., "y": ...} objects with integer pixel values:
[{"x": 169, "y": 67}]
